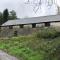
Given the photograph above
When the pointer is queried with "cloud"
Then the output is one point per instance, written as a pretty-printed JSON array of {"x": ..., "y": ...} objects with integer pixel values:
[{"x": 58, "y": 2}]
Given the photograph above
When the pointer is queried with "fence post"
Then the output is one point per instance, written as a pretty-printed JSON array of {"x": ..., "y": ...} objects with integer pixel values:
[
  {"x": 21, "y": 26},
  {"x": 34, "y": 25},
  {"x": 10, "y": 27},
  {"x": 47, "y": 24},
  {"x": 15, "y": 33},
  {"x": 0, "y": 27}
]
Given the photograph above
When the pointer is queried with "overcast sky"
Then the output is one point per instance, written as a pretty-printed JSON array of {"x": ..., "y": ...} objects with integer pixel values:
[{"x": 25, "y": 10}]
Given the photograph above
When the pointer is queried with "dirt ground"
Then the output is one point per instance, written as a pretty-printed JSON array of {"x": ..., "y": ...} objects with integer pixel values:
[{"x": 5, "y": 56}]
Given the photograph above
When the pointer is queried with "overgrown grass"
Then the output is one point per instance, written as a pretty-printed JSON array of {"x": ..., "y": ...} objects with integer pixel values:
[
  {"x": 42, "y": 45},
  {"x": 47, "y": 33}
]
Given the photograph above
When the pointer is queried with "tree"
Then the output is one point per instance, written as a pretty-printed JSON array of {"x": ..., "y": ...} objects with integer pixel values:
[
  {"x": 1, "y": 15},
  {"x": 5, "y": 15},
  {"x": 12, "y": 15},
  {"x": 1, "y": 18}
]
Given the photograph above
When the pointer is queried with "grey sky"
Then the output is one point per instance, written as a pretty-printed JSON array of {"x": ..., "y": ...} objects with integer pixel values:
[{"x": 24, "y": 10}]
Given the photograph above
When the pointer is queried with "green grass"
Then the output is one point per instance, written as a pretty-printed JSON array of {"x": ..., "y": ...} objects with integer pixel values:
[{"x": 42, "y": 45}]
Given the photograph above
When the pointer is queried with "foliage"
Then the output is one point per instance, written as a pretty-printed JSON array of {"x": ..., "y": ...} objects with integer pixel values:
[
  {"x": 1, "y": 18},
  {"x": 32, "y": 47},
  {"x": 12, "y": 15},
  {"x": 5, "y": 15},
  {"x": 47, "y": 33}
]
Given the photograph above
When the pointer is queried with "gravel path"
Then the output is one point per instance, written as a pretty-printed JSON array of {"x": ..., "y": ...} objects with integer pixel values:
[{"x": 5, "y": 56}]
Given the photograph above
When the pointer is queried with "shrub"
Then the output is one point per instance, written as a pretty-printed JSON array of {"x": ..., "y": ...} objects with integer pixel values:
[{"x": 47, "y": 33}]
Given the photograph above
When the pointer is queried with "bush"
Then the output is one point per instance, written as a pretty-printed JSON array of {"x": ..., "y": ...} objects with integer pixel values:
[{"x": 47, "y": 33}]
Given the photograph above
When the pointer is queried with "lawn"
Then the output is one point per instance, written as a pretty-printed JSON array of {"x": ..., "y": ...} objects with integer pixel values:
[{"x": 41, "y": 45}]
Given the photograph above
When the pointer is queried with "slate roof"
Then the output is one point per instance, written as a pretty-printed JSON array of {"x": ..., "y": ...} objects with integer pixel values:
[{"x": 41, "y": 19}]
